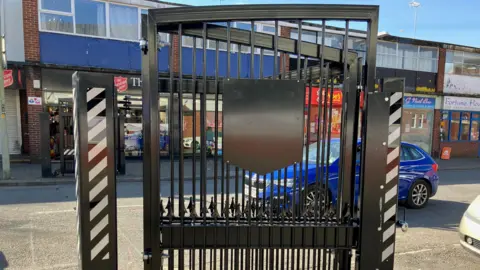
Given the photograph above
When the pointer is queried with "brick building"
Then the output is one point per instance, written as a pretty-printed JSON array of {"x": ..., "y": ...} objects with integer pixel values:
[{"x": 58, "y": 39}]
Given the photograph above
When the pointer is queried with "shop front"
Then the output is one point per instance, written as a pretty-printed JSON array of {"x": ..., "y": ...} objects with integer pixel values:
[
  {"x": 14, "y": 85},
  {"x": 56, "y": 85},
  {"x": 316, "y": 113},
  {"x": 418, "y": 120},
  {"x": 460, "y": 126}
]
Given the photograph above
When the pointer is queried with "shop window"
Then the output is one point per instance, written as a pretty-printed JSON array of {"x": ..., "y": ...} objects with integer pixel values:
[
  {"x": 474, "y": 130},
  {"x": 444, "y": 127},
  {"x": 90, "y": 18},
  {"x": 465, "y": 126},
  {"x": 454, "y": 126},
  {"x": 418, "y": 120},
  {"x": 123, "y": 22}
]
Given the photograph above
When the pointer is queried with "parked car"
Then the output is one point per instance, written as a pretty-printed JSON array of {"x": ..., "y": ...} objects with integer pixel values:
[
  {"x": 469, "y": 228},
  {"x": 417, "y": 183}
]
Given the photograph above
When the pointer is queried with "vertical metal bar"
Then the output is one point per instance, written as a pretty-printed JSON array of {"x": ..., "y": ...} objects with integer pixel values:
[
  {"x": 368, "y": 257},
  {"x": 181, "y": 207},
  {"x": 194, "y": 137},
  {"x": 151, "y": 168},
  {"x": 62, "y": 148},
  {"x": 203, "y": 138},
  {"x": 320, "y": 114},
  {"x": 275, "y": 52},
  {"x": 299, "y": 70},
  {"x": 261, "y": 63},
  {"x": 225, "y": 205},
  {"x": 171, "y": 106},
  {"x": 121, "y": 144},
  {"x": 252, "y": 50},
  {"x": 215, "y": 157}
]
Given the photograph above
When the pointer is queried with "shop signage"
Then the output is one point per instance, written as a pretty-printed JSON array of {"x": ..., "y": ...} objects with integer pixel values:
[
  {"x": 61, "y": 80},
  {"x": 7, "y": 78},
  {"x": 461, "y": 103},
  {"x": 120, "y": 83},
  {"x": 34, "y": 101},
  {"x": 458, "y": 84},
  {"x": 419, "y": 103},
  {"x": 13, "y": 79},
  {"x": 336, "y": 98}
]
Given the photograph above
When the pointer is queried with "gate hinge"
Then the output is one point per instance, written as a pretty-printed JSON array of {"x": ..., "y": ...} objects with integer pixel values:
[{"x": 147, "y": 256}]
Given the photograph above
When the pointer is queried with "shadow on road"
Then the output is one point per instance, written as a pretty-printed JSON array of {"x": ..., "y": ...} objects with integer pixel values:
[
  {"x": 459, "y": 177},
  {"x": 438, "y": 214},
  {"x": 3, "y": 261}
]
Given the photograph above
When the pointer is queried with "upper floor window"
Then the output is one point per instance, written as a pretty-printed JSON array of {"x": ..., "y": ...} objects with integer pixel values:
[
  {"x": 91, "y": 18},
  {"x": 462, "y": 63},
  {"x": 406, "y": 56}
]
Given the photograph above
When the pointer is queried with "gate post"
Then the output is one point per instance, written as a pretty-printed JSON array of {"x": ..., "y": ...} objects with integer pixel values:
[
  {"x": 379, "y": 185},
  {"x": 95, "y": 170},
  {"x": 44, "y": 118},
  {"x": 120, "y": 147}
]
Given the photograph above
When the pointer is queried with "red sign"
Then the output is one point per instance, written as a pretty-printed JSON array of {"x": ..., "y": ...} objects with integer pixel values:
[
  {"x": 7, "y": 78},
  {"x": 336, "y": 99},
  {"x": 121, "y": 83}
]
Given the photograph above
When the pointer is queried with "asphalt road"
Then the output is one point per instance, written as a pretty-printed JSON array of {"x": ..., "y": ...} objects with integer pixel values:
[{"x": 38, "y": 231}]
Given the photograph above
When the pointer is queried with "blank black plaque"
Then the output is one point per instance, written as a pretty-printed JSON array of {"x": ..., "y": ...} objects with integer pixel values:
[{"x": 263, "y": 123}]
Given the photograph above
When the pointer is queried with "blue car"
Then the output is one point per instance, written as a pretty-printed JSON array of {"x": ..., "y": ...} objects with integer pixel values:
[{"x": 418, "y": 178}]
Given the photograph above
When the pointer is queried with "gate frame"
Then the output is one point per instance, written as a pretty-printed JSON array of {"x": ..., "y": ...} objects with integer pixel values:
[{"x": 156, "y": 17}]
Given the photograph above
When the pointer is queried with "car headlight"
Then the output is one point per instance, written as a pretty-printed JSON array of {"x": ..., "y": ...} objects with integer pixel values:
[{"x": 281, "y": 182}]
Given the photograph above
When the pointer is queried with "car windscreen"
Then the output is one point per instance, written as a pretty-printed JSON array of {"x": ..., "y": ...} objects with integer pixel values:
[{"x": 312, "y": 152}]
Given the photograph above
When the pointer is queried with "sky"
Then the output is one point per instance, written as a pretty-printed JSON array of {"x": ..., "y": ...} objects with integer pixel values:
[{"x": 456, "y": 22}]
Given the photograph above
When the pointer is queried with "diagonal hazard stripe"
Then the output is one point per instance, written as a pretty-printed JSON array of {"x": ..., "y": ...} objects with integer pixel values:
[
  {"x": 98, "y": 188},
  {"x": 99, "y": 207},
  {"x": 94, "y": 131},
  {"x": 391, "y": 174},
  {"x": 106, "y": 257},
  {"x": 392, "y": 137},
  {"x": 97, "y": 169},
  {"x": 99, "y": 247},
  {"x": 395, "y": 116},
  {"x": 92, "y": 93},
  {"x": 99, "y": 227},
  {"x": 390, "y": 194},
  {"x": 393, "y": 155},
  {"x": 387, "y": 252},
  {"x": 97, "y": 149},
  {"x": 389, "y": 232},
  {"x": 95, "y": 111},
  {"x": 390, "y": 213},
  {"x": 395, "y": 97}
]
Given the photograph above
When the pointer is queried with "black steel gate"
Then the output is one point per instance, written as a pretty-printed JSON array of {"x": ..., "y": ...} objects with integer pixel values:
[{"x": 288, "y": 192}]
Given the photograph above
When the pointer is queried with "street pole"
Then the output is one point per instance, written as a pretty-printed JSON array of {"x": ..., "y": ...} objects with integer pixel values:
[
  {"x": 3, "y": 115},
  {"x": 415, "y": 5}
]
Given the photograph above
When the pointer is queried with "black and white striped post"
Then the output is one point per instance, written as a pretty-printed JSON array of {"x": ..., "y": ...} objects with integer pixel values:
[
  {"x": 94, "y": 114},
  {"x": 379, "y": 184}
]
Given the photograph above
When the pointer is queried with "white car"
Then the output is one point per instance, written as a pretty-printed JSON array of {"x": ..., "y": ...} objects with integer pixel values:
[{"x": 469, "y": 228}]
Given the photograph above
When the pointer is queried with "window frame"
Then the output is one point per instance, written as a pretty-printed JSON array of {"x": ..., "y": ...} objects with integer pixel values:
[
  {"x": 471, "y": 119},
  {"x": 73, "y": 15},
  {"x": 461, "y": 55}
]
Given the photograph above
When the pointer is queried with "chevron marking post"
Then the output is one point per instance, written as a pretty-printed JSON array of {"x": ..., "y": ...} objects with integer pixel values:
[
  {"x": 390, "y": 186},
  {"x": 95, "y": 170}
]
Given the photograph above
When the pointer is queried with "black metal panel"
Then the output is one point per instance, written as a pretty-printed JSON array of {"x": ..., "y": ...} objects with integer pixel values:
[
  {"x": 265, "y": 12},
  {"x": 46, "y": 159},
  {"x": 267, "y": 113},
  {"x": 95, "y": 170},
  {"x": 276, "y": 236},
  {"x": 372, "y": 179},
  {"x": 120, "y": 144}
]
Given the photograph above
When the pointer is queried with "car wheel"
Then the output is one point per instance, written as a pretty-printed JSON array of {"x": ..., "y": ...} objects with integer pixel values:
[
  {"x": 312, "y": 195},
  {"x": 418, "y": 195}
]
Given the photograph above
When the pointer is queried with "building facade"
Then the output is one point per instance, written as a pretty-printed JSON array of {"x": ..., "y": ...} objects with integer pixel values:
[{"x": 61, "y": 37}]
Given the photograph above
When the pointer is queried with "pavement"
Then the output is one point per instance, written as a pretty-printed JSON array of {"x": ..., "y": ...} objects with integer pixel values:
[
  {"x": 38, "y": 232},
  {"x": 27, "y": 174}
]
